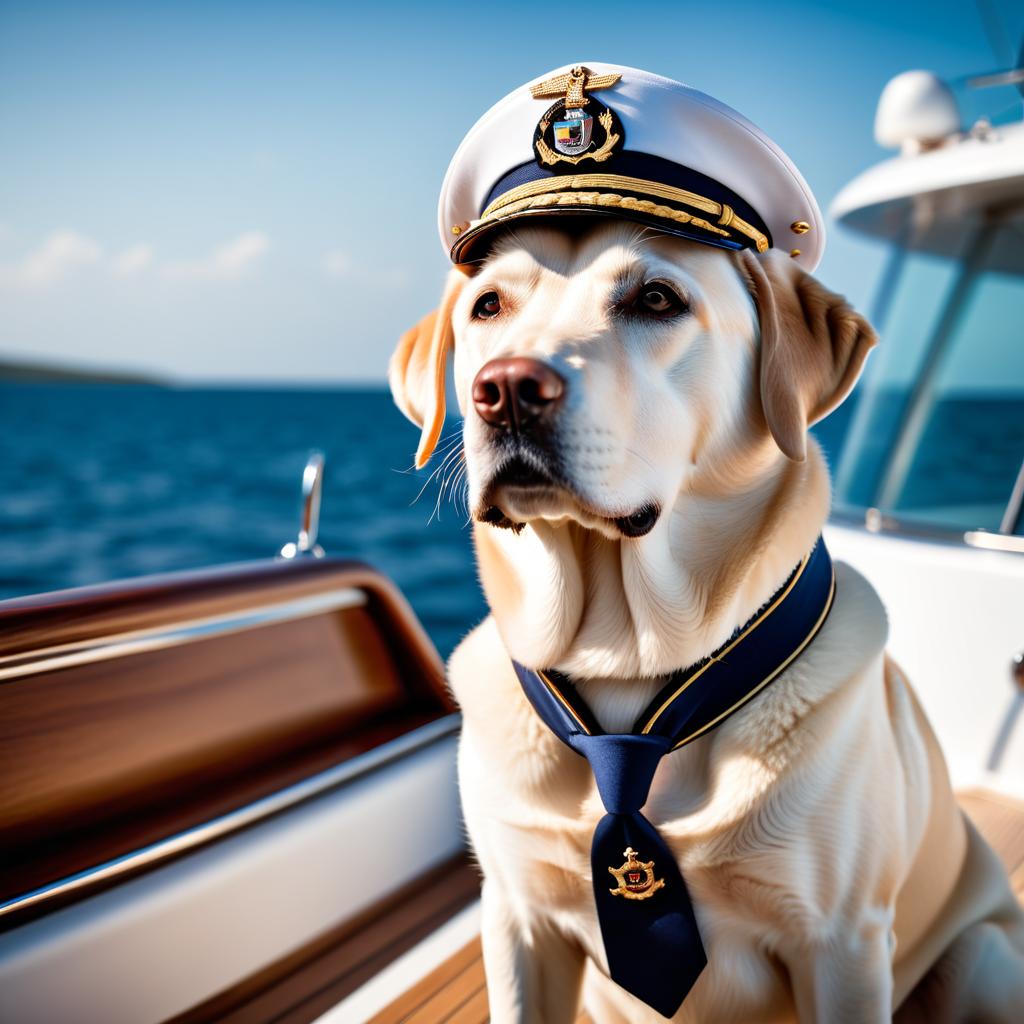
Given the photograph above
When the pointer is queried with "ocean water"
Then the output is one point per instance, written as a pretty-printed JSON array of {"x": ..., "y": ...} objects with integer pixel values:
[{"x": 102, "y": 482}]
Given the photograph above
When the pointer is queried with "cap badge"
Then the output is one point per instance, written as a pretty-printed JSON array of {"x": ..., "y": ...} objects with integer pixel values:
[
  {"x": 576, "y": 127},
  {"x": 636, "y": 879}
]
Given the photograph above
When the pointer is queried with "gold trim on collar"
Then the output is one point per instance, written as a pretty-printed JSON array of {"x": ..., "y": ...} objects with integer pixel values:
[
  {"x": 539, "y": 194},
  {"x": 764, "y": 682},
  {"x": 750, "y": 629},
  {"x": 568, "y": 707}
]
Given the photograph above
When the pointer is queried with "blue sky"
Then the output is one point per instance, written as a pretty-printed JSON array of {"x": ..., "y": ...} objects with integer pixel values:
[{"x": 248, "y": 190}]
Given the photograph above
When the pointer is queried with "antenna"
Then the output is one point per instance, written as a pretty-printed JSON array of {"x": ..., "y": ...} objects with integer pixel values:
[
  {"x": 1012, "y": 76},
  {"x": 1003, "y": 50}
]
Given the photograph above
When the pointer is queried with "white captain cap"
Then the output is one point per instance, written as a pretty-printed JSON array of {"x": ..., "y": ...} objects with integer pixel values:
[{"x": 601, "y": 139}]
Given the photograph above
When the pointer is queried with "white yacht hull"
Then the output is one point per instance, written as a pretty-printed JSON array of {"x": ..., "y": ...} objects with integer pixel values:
[{"x": 956, "y": 619}]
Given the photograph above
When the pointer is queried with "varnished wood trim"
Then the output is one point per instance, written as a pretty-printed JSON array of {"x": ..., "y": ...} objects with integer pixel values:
[
  {"x": 302, "y": 986},
  {"x": 61, "y": 891},
  {"x": 44, "y": 621},
  {"x": 213, "y": 690},
  {"x": 158, "y": 638}
]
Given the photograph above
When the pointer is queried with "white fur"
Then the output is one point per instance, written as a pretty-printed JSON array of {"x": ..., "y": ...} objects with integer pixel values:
[{"x": 828, "y": 863}]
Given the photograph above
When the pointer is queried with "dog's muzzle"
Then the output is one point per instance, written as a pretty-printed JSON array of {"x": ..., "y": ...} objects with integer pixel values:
[{"x": 519, "y": 399}]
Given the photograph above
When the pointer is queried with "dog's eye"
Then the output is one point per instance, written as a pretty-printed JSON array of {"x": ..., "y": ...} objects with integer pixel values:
[
  {"x": 487, "y": 306},
  {"x": 658, "y": 299}
]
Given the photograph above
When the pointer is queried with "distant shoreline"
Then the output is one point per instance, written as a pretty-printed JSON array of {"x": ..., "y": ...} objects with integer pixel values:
[{"x": 47, "y": 374}]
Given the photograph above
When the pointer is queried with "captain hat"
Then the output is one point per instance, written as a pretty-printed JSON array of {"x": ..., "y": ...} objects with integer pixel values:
[{"x": 602, "y": 139}]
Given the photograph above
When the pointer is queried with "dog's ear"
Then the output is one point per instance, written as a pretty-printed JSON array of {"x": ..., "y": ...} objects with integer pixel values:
[
  {"x": 417, "y": 369},
  {"x": 813, "y": 346}
]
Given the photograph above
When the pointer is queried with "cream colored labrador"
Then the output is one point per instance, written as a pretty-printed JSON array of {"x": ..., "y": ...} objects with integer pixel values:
[{"x": 636, "y": 411}]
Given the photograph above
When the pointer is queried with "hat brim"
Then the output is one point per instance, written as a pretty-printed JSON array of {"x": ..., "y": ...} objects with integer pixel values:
[
  {"x": 672, "y": 211},
  {"x": 475, "y": 243}
]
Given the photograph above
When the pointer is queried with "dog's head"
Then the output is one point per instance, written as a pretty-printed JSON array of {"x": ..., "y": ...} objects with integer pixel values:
[{"x": 604, "y": 372}]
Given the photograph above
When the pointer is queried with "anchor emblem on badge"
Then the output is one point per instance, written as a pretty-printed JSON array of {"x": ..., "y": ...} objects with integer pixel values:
[{"x": 635, "y": 877}]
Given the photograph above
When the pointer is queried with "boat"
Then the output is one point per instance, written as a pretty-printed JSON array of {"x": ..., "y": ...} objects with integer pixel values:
[
  {"x": 929, "y": 479},
  {"x": 224, "y": 792},
  {"x": 230, "y": 795}
]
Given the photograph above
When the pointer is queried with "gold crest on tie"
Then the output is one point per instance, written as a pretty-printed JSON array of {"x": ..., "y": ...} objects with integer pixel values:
[{"x": 636, "y": 878}]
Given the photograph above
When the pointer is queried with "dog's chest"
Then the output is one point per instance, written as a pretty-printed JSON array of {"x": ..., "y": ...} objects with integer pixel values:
[
  {"x": 542, "y": 853},
  {"x": 615, "y": 703},
  {"x": 534, "y": 813}
]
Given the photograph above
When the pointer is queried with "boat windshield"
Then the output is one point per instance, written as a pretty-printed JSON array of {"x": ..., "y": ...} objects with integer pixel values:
[{"x": 937, "y": 432}]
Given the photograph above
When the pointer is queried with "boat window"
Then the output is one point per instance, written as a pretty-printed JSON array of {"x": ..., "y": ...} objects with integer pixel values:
[
  {"x": 945, "y": 438},
  {"x": 972, "y": 443},
  {"x": 880, "y": 398}
]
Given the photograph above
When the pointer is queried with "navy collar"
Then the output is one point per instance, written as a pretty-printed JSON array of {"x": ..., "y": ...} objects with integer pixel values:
[
  {"x": 702, "y": 696},
  {"x": 648, "y": 924}
]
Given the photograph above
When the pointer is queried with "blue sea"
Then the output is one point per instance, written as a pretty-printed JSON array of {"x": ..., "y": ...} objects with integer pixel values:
[{"x": 101, "y": 482}]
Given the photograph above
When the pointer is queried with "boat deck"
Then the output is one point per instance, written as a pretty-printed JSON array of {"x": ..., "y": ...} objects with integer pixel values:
[{"x": 456, "y": 993}]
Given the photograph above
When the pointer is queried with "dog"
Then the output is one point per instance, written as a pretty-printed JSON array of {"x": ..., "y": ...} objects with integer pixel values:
[{"x": 641, "y": 480}]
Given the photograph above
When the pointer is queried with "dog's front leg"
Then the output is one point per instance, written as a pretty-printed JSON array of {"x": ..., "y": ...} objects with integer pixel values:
[
  {"x": 533, "y": 973},
  {"x": 846, "y": 980}
]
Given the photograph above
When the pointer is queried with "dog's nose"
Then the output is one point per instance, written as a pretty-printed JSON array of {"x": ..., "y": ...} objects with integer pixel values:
[{"x": 514, "y": 393}]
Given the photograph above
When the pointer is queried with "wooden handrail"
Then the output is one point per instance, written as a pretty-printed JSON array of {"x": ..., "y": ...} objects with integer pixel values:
[
  {"x": 44, "y": 621},
  {"x": 135, "y": 710}
]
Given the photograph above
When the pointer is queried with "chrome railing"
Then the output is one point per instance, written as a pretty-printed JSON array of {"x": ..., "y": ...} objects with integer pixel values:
[{"x": 305, "y": 546}]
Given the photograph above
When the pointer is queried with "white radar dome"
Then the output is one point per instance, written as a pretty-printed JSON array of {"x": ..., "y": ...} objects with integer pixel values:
[{"x": 916, "y": 111}]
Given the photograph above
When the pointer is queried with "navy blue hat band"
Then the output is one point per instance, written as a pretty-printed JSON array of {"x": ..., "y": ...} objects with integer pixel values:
[
  {"x": 634, "y": 186},
  {"x": 644, "y": 166}
]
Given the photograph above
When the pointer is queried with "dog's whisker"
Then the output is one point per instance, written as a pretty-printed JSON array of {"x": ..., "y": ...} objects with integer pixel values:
[
  {"x": 460, "y": 488},
  {"x": 426, "y": 483},
  {"x": 447, "y": 443},
  {"x": 452, "y": 480},
  {"x": 444, "y": 443},
  {"x": 450, "y": 459},
  {"x": 438, "y": 470},
  {"x": 449, "y": 469},
  {"x": 436, "y": 511}
]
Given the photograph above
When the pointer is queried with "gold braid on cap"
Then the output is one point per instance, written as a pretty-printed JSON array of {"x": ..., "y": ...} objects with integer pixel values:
[
  {"x": 605, "y": 189},
  {"x": 610, "y": 199}
]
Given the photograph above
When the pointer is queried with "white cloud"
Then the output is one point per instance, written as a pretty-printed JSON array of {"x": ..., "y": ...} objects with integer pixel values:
[
  {"x": 232, "y": 258},
  {"x": 228, "y": 261},
  {"x": 58, "y": 255},
  {"x": 132, "y": 260},
  {"x": 64, "y": 252},
  {"x": 337, "y": 263}
]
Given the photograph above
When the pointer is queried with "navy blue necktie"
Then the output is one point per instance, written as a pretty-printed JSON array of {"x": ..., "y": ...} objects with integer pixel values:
[{"x": 648, "y": 925}]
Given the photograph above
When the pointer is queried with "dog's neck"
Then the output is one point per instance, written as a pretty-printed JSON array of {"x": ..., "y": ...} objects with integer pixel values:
[{"x": 618, "y": 616}]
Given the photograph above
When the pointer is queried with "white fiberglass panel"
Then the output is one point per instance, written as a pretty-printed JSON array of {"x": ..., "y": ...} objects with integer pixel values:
[
  {"x": 956, "y": 618},
  {"x": 167, "y": 940}
]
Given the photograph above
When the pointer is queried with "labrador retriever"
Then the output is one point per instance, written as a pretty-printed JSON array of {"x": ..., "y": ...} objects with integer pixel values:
[{"x": 641, "y": 481}]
